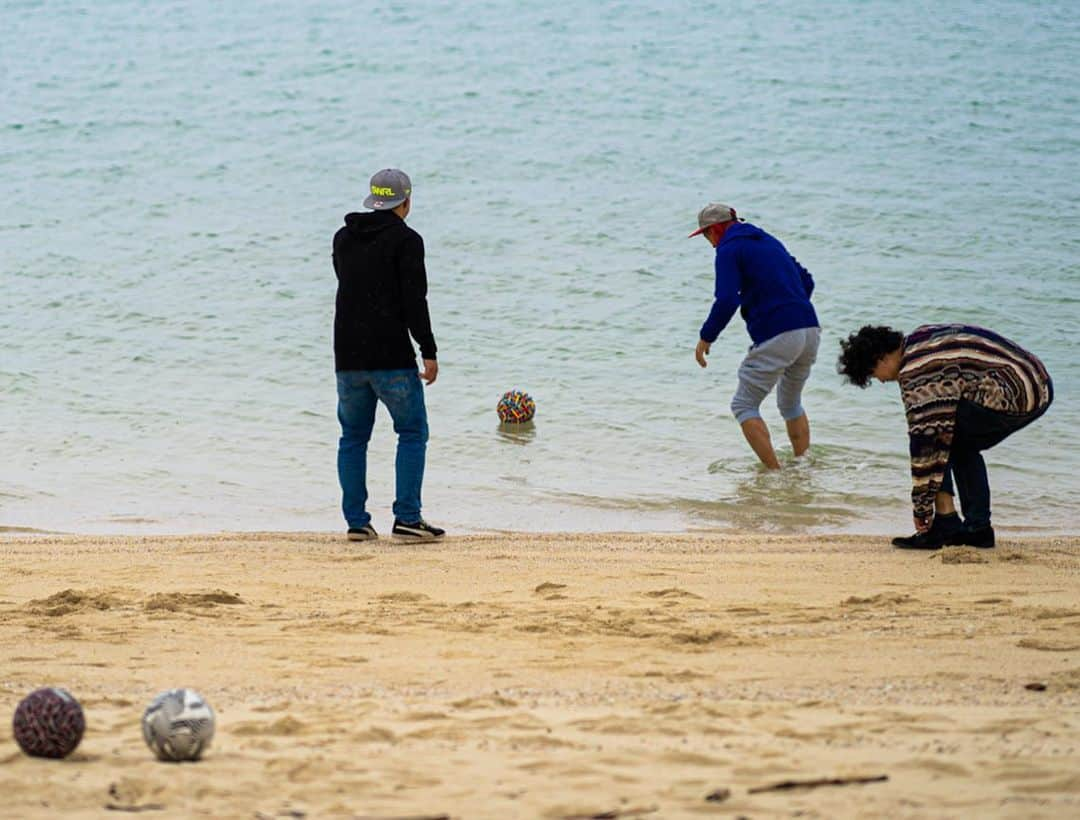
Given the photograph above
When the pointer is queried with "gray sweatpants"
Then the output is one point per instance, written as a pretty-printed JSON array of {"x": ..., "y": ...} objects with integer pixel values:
[{"x": 783, "y": 362}]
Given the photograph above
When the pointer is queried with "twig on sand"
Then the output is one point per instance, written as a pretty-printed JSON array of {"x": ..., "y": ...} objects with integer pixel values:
[
  {"x": 133, "y": 808},
  {"x": 788, "y": 785},
  {"x": 614, "y": 814},
  {"x": 399, "y": 817}
]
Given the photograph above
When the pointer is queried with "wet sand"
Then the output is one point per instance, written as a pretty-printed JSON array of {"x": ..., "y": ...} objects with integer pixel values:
[{"x": 516, "y": 675}]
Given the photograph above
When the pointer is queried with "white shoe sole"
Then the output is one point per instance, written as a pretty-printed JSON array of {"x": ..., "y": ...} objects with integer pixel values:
[{"x": 408, "y": 536}]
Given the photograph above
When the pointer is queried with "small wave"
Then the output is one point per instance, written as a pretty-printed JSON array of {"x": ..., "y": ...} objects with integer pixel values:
[{"x": 768, "y": 513}]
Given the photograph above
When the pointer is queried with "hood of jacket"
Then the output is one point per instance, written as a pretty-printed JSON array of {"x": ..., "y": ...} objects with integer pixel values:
[
  {"x": 741, "y": 230},
  {"x": 369, "y": 223}
]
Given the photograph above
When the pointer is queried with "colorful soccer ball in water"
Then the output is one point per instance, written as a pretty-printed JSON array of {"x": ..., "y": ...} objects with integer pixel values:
[
  {"x": 178, "y": 725},
  {"x": 516, "y": 407},
  {"x": 48, "y": 723}
]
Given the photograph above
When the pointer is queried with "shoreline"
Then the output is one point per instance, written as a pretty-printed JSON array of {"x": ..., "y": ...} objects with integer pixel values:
[
  {"x": 552, "y": 675},
  {"x": 882, "y": 533}
]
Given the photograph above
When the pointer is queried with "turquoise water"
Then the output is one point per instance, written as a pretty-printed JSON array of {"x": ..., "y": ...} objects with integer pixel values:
[{"x": 173, "y": 173}]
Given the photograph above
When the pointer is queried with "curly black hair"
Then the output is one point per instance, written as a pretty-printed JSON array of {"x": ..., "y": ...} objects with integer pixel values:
[{"x": 860, "y": 352}]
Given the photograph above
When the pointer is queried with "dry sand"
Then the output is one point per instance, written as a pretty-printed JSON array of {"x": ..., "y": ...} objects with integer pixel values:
[{"x": 527, "y": 676}]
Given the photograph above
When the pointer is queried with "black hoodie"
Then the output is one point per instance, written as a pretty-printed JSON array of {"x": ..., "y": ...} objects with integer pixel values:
[{"x": 382, "y": 294}]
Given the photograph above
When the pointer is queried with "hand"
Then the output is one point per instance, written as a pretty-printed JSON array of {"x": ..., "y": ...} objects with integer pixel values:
[
  {"x": 923, "y": 524},
  {"x": 430, "y": 371},
  {"x": 702, "y": 351}
]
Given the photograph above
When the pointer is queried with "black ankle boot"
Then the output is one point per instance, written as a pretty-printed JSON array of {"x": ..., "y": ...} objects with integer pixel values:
[
  {"x": 983, "y": 538},
  {"x": 946, "y": 529}
]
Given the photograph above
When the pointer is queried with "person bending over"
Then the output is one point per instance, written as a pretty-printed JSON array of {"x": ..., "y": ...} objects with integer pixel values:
[{"x": 964, "y": 389}]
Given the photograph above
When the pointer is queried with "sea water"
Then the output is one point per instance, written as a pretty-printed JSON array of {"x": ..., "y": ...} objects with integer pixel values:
[{"x": 173, "y": 174}]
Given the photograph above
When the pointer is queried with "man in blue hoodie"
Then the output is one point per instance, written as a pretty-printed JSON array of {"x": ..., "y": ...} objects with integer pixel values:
[{"x": 756, "y": 274}]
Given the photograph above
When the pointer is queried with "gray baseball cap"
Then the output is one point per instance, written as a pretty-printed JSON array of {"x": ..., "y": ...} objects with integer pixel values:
[
  {"x": 389, "y": 188},
  {"x": 713, "y": 214}
]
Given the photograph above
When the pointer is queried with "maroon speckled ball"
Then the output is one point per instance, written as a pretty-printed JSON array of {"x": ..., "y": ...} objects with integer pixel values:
[{"x": 48, "y": 723}]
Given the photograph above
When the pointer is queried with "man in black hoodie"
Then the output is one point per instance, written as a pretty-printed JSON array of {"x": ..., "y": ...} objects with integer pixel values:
[{"x": 381, "y": 300}]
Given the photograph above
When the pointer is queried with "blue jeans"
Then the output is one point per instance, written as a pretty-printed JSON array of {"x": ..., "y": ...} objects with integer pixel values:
[
  {"x": 978, "y": 429},
  {"x": 359, "y": 391}
]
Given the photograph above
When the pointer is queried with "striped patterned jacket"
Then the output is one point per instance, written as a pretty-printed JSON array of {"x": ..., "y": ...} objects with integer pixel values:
[{"x": 943, "y": 365}]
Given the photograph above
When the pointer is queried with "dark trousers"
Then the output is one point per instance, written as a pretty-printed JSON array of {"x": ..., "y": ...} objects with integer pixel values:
[{"x": 978, "y": 429}]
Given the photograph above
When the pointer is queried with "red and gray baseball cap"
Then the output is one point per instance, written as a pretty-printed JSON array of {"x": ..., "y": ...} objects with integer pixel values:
[
  {"x": 713, "y": 214},
  {"x": 389, "y": 188}
]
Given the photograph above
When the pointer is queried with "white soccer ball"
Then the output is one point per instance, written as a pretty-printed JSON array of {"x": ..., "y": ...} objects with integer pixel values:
[{"x": 178, "y": 725}]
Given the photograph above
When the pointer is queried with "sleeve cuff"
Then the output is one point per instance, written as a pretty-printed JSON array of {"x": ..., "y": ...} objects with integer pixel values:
[{"x": 922, "y": 508}]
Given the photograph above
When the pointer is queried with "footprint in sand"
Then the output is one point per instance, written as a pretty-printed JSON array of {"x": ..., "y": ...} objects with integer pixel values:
[
  {"x": 375, "y": 734},
  {"x": 132, "y": 795},
  {"x": 1052, "y": 783},
  {"x": 679, "y": 758},
  {"x": 544, "y": 741},
  {"x": 964, "y": 555},
  {"x": 881, "y": 599},
  {"x": 272, "y": 707},
  {"x": 1067, "y": 679},
  {"x": 1016, "y": 557},
  {"x": 423, "y": 717},
  {"x": 495, "y": 701},
  {"x": 66, "y": 633},
  {"x": 337, "y": 661},
  {"x": 668, "y": 675},
  {"x": 936, "y": 767},
  {"x": 402, "y": 598},
  {"x": 704, "y": 638},
  {"x": 286, "y": 726},
  {"x": 671, "y": 593},
  {"x": 548, "y": 587},
  {"x": 1049, "y": 644},
  {"x": 186, "y": 601},
  {"x": 1034, "y": 778},
  {"x": 439, "y": 732},
  {"x": 351, "y": 558},
  {"x": 70, "y": 601},
  {"x": 315, "y": 770},
  {"x": 1050, "y": 613}
]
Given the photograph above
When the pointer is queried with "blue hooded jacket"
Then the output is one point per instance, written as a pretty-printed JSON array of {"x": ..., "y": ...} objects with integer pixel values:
[{"x": 755, "y": 271}]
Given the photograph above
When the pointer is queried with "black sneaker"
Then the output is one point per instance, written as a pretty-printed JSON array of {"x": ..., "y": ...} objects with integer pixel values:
[
  {"x": 417, "y": 531},
  {"x": 983, "y": 538},
  {"x": 928, "y": 540},
  {"x": 364, "y": 533},
  {"x": 946, "y": 529}
]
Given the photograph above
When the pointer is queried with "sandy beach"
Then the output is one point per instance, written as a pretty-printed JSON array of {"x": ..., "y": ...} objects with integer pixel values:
[{"x": 573, "y": 676}]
